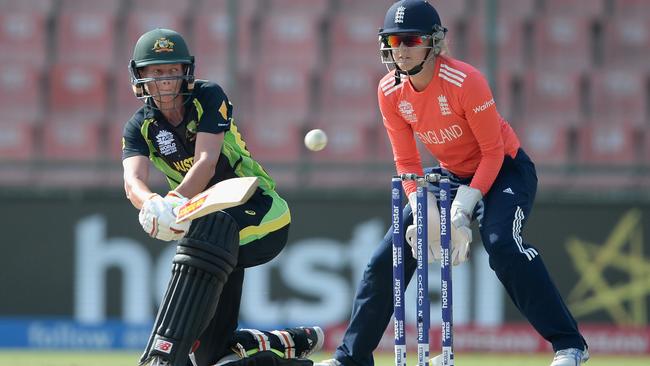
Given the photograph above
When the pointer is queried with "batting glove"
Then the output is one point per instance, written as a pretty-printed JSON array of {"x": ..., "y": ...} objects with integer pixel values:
[{"x": 157, "y": 218}]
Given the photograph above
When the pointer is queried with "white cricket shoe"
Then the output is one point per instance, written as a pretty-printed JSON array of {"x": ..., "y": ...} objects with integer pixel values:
[
  {"x": 570, "y": 357},
  {"x": 330, "y": 362}
]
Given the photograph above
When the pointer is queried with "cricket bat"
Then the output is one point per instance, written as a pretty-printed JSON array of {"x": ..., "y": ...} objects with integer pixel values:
[{"x": 225, "y": 194}]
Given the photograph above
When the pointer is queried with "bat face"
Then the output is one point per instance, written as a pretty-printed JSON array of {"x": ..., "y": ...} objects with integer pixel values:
[{"x": 225, "y": 194}]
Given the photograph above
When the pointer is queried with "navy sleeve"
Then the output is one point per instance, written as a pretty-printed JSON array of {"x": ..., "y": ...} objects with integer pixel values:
[
  {"x": 217, "y": 110},
  {"x": 133, "y": 144}
]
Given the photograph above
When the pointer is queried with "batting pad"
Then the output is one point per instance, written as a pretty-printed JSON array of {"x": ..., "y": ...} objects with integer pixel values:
[{"x": 200, "y": 270}]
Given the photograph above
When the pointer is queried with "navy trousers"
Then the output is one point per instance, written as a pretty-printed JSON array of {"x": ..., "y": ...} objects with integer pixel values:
[{"x": 518, "y": 265}]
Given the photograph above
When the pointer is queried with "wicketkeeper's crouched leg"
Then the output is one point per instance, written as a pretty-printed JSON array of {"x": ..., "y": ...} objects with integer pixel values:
[{"x": 204, "y": 259}]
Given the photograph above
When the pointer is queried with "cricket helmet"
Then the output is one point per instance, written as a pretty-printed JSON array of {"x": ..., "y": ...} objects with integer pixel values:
[
  {"x": 411, "y": 17},
  {"x": 157, "y": 47}
]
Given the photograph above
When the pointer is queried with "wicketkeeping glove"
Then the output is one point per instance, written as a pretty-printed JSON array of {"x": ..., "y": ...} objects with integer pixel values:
[
  {"x": 158, "y": 219},
  {"x": 461, "y": 216},
  {"x": 433, "y": 227}
]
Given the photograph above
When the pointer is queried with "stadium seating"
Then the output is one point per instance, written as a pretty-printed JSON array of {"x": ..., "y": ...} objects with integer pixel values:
[
  {"x": 282, "y": 35},
  {"x": 43, "y": 7},
  {"x": 575, "y": 8},
  {"x": 72, "y": 139},
  {"x": 349, "y": 94},
  {"x": 23, "y": 37},
  {"x": 86, "y": 37},
  {"x": 273, "y": 140},
  {"x": 553, "y": 97},
  {"x": 210, "y": 43},
  {"x": 17, "y": 140},
  {"x": 619, "y": 94},
  {"x": 171, "y": 6},
  {"x": 348, "y": 141},
  {"x": 607, "y": 142},
  {"x": 77, "y": 89},
  {"x": 376, "y": 8},
  {"x": 509, "y": 41},
  {"x": 562, "y": 43},
  {"x": 352, "y": 41},
  {"x": 245, "y": 8},
  {"x": 21, "y": 94},
  {"x": 546, "y": 143},
  {"x": 109, "y": 7},
  {"x": 319, "y": 8},
  {"x": 139, "y": 22},
  {"x": 281, "y": 93},
  {"x": 627, "y": 42},
  {"x": 631, "y": 8}
]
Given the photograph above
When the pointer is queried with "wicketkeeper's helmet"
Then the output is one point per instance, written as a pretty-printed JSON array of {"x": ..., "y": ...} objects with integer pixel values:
[{"x": 411, "y": 17}]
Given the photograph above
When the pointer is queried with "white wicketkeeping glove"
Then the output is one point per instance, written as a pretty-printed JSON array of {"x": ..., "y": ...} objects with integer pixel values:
[
  {"x": 461, "y": 216},
  {"x": 158, "y": 219},
  {"x": 433, "y": 227}
]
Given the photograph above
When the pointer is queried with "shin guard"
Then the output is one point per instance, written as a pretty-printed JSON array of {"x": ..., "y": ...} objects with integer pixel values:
[{"x": 204, "y": 259}]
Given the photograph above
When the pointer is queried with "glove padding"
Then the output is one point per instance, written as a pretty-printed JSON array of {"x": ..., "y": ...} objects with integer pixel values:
[
  {"x": 461, "y": 212},
  {"x": 433, "y": 227},
  {"x": 158, "y": 219}
]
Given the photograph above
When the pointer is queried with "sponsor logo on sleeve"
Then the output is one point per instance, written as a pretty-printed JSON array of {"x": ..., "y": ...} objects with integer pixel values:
[{"x": 483, "y": 106}]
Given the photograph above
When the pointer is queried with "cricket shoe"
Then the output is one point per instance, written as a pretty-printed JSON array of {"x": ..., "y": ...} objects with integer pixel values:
[
  {"x": 570, "y": 357},
  {"x": 313, "y": 337},
  {"x": 330, "y": 362}
]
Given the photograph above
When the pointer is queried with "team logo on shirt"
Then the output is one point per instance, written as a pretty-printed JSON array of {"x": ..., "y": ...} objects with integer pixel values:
[
  {"x": 444, "y": 105},
  {"x": 166, "y": 143},
  {"x": 407, "y": 111}
]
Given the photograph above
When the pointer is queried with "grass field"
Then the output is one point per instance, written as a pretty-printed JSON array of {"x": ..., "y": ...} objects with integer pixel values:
[{"x": 23, "y": 358}]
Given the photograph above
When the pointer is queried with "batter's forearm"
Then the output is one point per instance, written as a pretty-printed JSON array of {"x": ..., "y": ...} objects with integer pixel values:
[
  {"x": 136, "y": 191},
  {"x": 197, "y": 178}
]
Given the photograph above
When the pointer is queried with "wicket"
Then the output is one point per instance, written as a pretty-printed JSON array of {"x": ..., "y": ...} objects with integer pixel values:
[{"x": 422, "y": 271}]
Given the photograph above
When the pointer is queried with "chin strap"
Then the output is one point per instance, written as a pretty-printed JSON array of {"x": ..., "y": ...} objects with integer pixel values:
[{"x": 414, "y": 71}]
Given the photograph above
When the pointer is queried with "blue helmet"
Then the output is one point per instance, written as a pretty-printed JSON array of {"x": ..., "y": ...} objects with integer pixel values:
[
  {"x": 416, "y": 17},
  {"x": 411, "y": 16}
]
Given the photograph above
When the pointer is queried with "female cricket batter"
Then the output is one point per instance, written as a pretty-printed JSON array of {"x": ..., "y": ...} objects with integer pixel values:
[
  {"x": 185, "y": 128},
  {"x": 447, "y": 105}
]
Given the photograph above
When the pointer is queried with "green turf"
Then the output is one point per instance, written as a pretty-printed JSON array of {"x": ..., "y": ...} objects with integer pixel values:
[{"x": 39, "y": 358}]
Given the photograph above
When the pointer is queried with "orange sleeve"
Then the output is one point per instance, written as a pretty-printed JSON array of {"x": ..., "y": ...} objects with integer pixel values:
[
  {"x": 400, "y": 133},
  {"x": 483, "y": 118}
]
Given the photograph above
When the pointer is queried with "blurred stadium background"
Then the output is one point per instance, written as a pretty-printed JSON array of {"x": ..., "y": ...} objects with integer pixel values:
[{"x": 572, "y": 77}]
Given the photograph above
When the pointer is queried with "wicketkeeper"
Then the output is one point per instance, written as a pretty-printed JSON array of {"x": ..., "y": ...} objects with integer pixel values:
[{"x": 447, "y": 105}]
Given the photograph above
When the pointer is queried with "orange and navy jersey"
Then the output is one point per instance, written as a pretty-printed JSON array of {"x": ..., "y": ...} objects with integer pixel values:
[{"x": 454, "y": 117}]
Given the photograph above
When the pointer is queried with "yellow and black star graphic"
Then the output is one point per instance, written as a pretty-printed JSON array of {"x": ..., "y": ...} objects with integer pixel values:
[{"x": 625, "y": 301}]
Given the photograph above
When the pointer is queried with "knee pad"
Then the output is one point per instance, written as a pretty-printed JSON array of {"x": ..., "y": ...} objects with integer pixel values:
[{"x": 204, "y": 259}]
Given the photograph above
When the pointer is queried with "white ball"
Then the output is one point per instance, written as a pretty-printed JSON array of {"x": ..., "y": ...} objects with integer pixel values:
[{"x": 316, "y": 140}]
